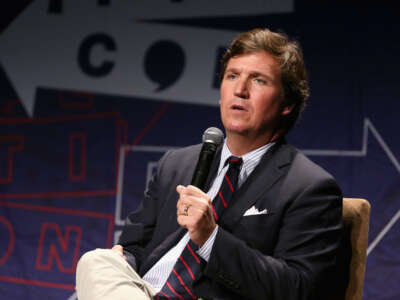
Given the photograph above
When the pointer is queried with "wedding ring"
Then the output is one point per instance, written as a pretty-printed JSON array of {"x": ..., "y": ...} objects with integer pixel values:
[{"x": 185, "y": 210}]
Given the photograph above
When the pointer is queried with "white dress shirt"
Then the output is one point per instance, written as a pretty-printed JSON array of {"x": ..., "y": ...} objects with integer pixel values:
[{"x": 159, "y": 273}]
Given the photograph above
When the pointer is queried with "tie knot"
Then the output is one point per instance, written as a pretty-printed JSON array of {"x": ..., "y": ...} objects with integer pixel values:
[{"x": 235, "y": 161}]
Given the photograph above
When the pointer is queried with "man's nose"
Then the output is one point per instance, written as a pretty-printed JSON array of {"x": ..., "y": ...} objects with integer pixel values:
[{"x": 242, "y": 88}]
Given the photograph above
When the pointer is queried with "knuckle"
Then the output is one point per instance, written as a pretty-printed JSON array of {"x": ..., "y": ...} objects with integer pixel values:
[{"x": 204, "y": 206}]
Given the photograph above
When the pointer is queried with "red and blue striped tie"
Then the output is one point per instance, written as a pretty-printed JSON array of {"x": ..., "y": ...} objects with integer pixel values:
[
  {"x": 189, "y": 264},
  {"x": 228, "y": 186}
]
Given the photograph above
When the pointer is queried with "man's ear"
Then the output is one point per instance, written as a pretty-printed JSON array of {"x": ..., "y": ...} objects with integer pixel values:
[{"x": 287, "y": 109}]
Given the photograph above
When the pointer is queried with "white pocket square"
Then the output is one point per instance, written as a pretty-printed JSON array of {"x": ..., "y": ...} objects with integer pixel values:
[{"x": 253, "y": 211}]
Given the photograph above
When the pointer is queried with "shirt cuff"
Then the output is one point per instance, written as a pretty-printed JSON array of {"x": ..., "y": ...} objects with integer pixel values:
[{"x": 205, "y": 250}]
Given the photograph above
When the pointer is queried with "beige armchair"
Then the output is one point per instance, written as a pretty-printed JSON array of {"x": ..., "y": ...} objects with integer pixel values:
[
  {"x": 356, "y": 214},
  {"x": 346, "y": 280}
]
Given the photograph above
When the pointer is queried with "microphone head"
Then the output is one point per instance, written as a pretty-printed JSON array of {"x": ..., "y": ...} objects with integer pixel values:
[{"x": 213, "y": 135}]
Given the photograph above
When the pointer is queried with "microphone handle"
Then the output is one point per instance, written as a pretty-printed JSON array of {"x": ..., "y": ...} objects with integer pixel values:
[{"x": 203, "y": 165}]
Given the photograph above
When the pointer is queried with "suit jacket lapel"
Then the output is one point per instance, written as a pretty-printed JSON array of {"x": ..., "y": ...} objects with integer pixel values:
[
  {"x": 268, "y": 171},
  {"x": 163, "y": 248}
]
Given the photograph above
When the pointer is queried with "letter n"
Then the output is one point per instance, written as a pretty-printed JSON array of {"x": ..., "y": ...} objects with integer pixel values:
[{"x": 58, "y": 247}]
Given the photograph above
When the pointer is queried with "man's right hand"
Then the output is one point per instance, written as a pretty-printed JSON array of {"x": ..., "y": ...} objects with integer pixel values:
[{"x": 120, "y": 250}]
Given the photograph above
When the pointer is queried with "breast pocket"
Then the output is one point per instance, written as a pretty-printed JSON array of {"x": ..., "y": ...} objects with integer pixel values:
[{"x": 258, "y": 231}]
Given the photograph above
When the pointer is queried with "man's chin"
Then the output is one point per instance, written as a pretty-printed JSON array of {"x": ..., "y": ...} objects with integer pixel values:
[{"x": 238, "y": 130}]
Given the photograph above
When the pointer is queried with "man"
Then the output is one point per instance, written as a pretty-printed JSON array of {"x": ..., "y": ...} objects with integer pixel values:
[{"x": 277, "y": 237}]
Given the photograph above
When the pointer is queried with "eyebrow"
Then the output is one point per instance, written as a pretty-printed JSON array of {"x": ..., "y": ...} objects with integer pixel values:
[{"x": 252, "y": 73}]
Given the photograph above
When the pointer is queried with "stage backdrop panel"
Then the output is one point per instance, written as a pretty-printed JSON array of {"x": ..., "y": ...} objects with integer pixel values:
[{"x": 93, "y": 93}]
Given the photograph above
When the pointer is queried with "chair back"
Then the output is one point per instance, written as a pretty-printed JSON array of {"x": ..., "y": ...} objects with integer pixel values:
[{"x": 356, "y": 213}]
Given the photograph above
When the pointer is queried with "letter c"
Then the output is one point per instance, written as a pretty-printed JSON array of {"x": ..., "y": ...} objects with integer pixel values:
[{"x": 86, "y": 48}]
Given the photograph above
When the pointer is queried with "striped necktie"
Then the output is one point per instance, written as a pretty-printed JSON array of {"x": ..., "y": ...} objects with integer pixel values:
[
  {"x": 189, "y": 264},
  {"x": 228, "y": 186}
]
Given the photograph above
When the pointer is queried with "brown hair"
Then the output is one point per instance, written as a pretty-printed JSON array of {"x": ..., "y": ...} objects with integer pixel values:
[{"x": 288, "y": 54}]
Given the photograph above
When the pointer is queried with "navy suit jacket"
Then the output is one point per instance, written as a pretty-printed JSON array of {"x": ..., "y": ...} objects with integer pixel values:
[{"x": 285, "y": 253}]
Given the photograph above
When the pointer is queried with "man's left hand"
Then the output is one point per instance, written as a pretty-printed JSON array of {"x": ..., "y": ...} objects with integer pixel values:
[{"x": 194, "y": 212}]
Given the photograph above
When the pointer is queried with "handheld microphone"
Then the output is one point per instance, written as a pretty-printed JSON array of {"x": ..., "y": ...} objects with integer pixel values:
[{"x": 212, "y": 138}]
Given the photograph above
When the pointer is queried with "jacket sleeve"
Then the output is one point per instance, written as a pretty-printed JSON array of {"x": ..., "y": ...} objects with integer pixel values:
[
  {"x": 155, "y": 220},
  {"x": 140, "y": 224},
  {"x": 308, "y": 239}
]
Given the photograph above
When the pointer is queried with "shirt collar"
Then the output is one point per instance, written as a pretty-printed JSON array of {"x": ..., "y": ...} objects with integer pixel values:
[{"x": 250, "y": 159}]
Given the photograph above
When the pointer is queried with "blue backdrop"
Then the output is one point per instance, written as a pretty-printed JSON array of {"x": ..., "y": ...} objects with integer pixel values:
[{"x": 89, "y": 104}]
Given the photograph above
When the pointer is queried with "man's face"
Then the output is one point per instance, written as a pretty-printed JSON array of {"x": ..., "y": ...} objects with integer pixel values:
[{"x": 252, "y": 101}]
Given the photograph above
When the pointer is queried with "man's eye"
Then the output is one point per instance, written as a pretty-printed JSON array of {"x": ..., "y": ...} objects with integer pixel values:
[
  {"x": 260, "y": 81},
  {"x": 230, "y": 76}
]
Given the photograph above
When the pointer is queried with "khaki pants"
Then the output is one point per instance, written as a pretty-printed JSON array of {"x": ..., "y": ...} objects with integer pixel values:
[{"x": 102, "y": 274}]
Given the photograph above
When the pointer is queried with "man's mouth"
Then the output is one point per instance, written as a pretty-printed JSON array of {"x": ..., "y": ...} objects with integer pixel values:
[{"x": 238, "y": 107}]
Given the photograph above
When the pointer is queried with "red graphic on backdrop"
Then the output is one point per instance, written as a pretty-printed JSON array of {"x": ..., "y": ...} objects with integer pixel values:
[
  {"x": 52, "y": 249},
  {"x": 11, "y": 241},
  {"x": 15, "y": 143}
]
